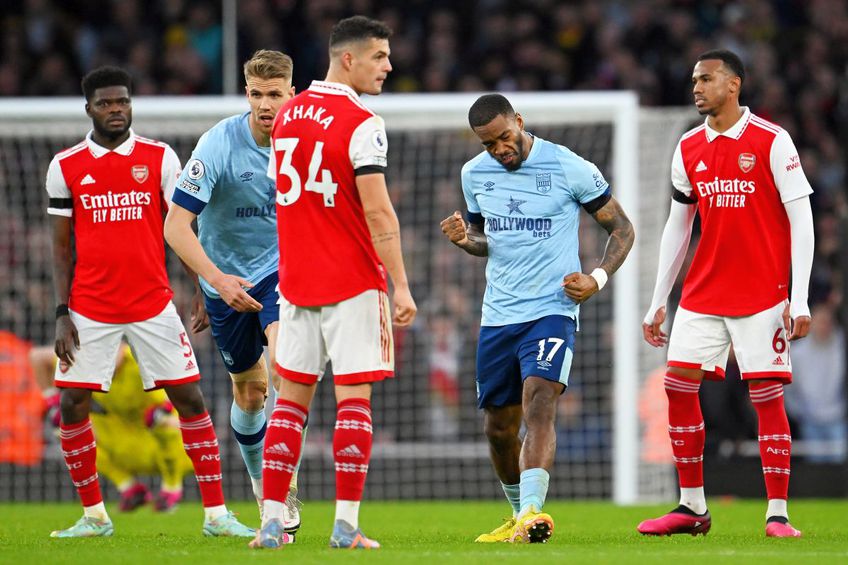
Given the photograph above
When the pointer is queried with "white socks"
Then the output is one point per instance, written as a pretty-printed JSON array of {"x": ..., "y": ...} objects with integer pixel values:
[{"x": 694, "y": 499}]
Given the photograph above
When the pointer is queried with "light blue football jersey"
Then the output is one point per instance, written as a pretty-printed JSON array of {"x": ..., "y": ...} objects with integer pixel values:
[
  {"x": 531, "y": 219},
  {"x": 225, "y": 184}
]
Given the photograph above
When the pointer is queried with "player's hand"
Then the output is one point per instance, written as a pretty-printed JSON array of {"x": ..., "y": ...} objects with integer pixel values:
[
  {"x": 405, "y": 308},
  {"x": 652, "y": 332},
  {"x": 67, "y": 341},
  {"x": 454, "y": 228},
  {"x": 579, "y": 286},
  {"x": 199, "y": 317},
  {"x": 797, "y": 328},
  {"x": 231, "y": 288}
]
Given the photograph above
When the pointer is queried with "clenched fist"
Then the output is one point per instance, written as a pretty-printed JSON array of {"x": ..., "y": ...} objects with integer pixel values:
[{"x": 454, "y": 228}]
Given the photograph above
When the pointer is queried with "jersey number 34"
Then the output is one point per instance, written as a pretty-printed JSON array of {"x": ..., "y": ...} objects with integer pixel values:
[{"x": 284, "y": 148}]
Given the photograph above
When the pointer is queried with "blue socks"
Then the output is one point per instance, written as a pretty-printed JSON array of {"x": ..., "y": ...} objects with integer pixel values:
[
  {"x": 534, "y": 488},
  {"x": 249, "y": 429},
  {"x": 513, "y": 495}
]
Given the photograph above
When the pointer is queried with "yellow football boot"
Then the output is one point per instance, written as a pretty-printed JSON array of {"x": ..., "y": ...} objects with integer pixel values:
[{"x": 502, "y": 533}]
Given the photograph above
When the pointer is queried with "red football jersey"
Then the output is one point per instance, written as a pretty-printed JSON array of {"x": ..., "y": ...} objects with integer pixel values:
[
  {"x": 116, "y": 199},
  {"x": 320, "y": 141},
  {"x": 740, "y": 179}
]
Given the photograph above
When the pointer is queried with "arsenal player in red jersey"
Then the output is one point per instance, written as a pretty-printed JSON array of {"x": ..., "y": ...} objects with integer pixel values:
[
  {"x": 339, "y": 238},
  {"x": 742, "y": 175},
  {"x": 108, "y": 195}
]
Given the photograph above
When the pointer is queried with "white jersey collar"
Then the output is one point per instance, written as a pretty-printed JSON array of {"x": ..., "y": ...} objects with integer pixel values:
[
  {"x": 98, "y": 150},
  {"x": 337, "y": 88},
  {"x": 734, "y": 132}
]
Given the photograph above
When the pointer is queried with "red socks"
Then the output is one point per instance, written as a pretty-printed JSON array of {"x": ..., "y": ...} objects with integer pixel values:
[
  {"x": 352, "y": 447},
  {"x": 80, "y": 453},
  {"x": 201, "y": 445},
  {"x": 283, "y": 440},
  {"x": 686, "y": 429},
  {"x": 774, "y": 436}
]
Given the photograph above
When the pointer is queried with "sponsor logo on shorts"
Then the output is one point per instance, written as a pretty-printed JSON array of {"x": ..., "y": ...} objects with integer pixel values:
[
  {"x": 228, "y": 359},
  {"x": 190, "y": 365},
  {"x": 778, "y": 361}
]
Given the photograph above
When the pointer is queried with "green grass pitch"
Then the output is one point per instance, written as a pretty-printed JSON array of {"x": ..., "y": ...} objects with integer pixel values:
[{"x": 435, "y": 533}]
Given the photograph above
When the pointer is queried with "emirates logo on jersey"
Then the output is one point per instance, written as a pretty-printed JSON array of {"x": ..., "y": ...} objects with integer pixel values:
[
  {"x": 140, "y": 173},
  {"x": 747, "y": 162}
]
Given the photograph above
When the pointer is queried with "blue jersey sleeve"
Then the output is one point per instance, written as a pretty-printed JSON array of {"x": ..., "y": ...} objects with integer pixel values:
[
  {"x": 201, "y": 173},
  {"x": 585, "y": 180},
  {"x": 474, "y": 216}
]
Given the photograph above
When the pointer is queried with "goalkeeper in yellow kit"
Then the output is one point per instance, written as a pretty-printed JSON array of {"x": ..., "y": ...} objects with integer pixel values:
[{"x": 137, "y": 432}]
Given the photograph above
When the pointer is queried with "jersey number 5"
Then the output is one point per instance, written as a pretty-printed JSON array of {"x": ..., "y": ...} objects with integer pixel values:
[{"x": 326, "y": 187}]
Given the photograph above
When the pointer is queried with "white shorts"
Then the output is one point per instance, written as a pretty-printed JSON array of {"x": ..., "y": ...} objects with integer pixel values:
[
  {"x": 160, "y": 346},
  {"x": 702, "y": 341},
  {"x": 354, "y": 334}
]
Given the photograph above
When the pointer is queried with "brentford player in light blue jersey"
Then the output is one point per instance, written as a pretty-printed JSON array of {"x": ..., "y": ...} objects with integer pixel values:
[
  {"x": 235, "y": 253},
  {"x": 524, "y": 196}
]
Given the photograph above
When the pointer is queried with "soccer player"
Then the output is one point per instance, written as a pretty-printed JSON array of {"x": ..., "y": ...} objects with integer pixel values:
[
  {"x": 136, "y": 431},
  {"x": 743, "y": 176},
  {"x": 524, "y": 195},
  {"x": 235, "y": 252},
  {"x": 339, "y": 237},
  {"x": 111, "y": 191}
]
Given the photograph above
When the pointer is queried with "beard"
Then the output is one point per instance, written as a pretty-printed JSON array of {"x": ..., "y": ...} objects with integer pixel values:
[
  {"x": 112, "y": 134},
  {"x": 519, "y": 157}
]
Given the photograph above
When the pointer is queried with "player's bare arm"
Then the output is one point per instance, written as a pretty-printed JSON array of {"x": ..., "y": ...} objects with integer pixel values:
[
  {"x": 469, "y": 237},
  {"x": 580, "y": 286},
  {"x": 385, "y": 234},
  {"x": 182, "y": 239},
  {"x": 67, "y": 338}
]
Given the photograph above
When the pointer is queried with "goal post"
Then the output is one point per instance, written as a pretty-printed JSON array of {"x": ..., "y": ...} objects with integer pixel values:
[{"x": 428, "y": 433}]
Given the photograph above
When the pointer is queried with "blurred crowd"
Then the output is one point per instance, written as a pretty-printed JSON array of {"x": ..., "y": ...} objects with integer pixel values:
[{"x": 795, "y": 51}]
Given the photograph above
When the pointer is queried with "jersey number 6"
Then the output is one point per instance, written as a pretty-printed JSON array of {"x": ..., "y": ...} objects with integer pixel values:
[{"x": 285, "y": 148}]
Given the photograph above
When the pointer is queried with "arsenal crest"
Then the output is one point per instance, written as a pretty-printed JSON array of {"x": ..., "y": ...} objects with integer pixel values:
[
  {"x": 747, "y": 162},
  {"x": 140, "y": 172}
]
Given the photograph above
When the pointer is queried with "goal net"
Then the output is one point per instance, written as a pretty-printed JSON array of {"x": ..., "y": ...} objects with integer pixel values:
[{"x": 428, "y": 440}]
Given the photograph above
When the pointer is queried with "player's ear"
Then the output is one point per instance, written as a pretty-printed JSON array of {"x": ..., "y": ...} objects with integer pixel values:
[
  {"x": 88, "y": 109},
  {"x": 519, "y": 121}
]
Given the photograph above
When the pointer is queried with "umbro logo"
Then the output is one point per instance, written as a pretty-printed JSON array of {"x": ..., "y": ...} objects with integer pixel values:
[
  {"x": 246, "y": 176},
  {"x": 279, "y": 449},
  {"x": 701, "y": 167},
  {"x": 350, "y": 451},
  {"x": 778, "y": 361},
  {"x": 190, "y": 365},
  {"x": 490, "y": 186},
  {"x": 88, "y": 179}
]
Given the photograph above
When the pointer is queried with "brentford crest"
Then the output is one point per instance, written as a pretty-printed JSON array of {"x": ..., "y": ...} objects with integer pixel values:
[
  {"x": 747, "y": 162},
  {"x": 140, "y": 172}
]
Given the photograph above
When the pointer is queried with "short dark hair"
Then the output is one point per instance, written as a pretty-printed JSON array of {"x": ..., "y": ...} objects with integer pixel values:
[
  {"x": 730, "y": 59},
  {"x": 358, "y": 28},
  {"x": 487, "y": 108},
  {"x": 102, "y": 77}
]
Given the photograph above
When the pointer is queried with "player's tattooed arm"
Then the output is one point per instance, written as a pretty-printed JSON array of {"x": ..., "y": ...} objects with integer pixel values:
[
  {"x": 469, "y": 237},
  {"x": 379, "y": 238},
  {"x": 621, "y": 235}
]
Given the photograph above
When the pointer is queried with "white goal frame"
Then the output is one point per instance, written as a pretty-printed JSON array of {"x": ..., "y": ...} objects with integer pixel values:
[{"x": 25, "y": 117}]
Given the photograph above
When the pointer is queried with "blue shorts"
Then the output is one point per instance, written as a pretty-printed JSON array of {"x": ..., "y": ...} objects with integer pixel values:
[
  {"x": 240, "y": 336},
  {"x": 506, "y": 355}
]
